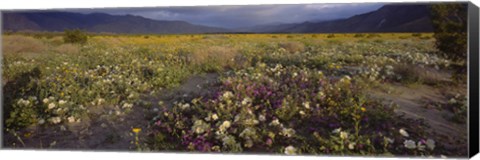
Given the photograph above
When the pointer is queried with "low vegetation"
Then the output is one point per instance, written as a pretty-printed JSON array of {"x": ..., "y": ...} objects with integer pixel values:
[{"x": 286, "y": 94}]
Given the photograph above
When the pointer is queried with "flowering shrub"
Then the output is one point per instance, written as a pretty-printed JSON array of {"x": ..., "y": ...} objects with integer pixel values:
[
  {"x": 287, "y": 110},
  {"x": 279, "y": 94}
]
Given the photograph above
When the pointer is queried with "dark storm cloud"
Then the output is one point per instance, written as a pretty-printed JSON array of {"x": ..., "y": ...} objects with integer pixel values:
[{"x": 246, "y": 15}]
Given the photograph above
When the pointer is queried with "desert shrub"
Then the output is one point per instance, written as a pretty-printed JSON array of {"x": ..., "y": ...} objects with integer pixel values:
[
  {"x": 75, "y": 36},
  {"x": 378, "y": 41},
  {"x": 292, "y": 47},
  {"x": 358, "y": 35},
  {"x": 331, "y": 36},
  {"x": 459, "y": 106},
  {"x": 416, "y": 34},
  {"x": 372, "y": 35},
  {"x": 363, "y": 40},
  {"x": 426, "y": 37},
  {"x": 146, "y": 37},
  {"x": 22, "y": 44},
  {"x": 450, "y": 30},
  {"x": 214, "y": 37},
  {"x": 252, "y": 112},
  {"x": 333, "y": 41},
  {"x": 414, "y": 74}
]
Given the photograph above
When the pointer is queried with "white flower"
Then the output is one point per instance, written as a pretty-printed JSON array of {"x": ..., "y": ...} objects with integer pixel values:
[
  {"x": 131, "y": 95},
  {"x": 127, "y": 105},
  {"x": 55, "y": 120},
  {"x": 184, "y": 106},
  {"x": 347, "y": 77},
  {"x": 409, "y": 144},
  {"x": 51, "y": 105},
  {"x": 225, "y": 125},
  {"x": 227, "y": 95},
  {"x": 41, "y": 121},
  {"x": 248, "y": 143},
  {"x": 247, "y": 132},
  {"x": 302, "y": 113},
  {"x": 290, "y": 150},
  {"x": 199, "y": 126},
  {"x": 403, "y": 132},
  {"x": 351, "y": 145},
  {"x": 343, "y": 135},
  {"x": 228, "y": 140},
  {"x": 420, "y": 146},
  {"x": 275, "y": 122},
  {"x": 430, "y": 144},
  {"x": 288, "y": 132},
  {"x": 100, "y": 101},
  {"x": 306, "y": 105},
  {"x": 45, "y": 100},
  {"x": 262, "y": 118},
  {"x": 337, "y": 130},
  {"x": 452, "y": 101},
  {"x": 61, "y": 102},
  {"x": 214, "y": 116},
  {"x": 389, "y": 140},
  {"x": 321, "y": 94},
  {"x": 23, "y": 102},
  {"x": 246, "y": 101},
  {"x": 71, "y": 119}
]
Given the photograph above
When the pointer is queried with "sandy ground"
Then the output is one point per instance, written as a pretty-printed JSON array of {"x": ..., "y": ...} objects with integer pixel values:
[{"x": 417, "y": 102}]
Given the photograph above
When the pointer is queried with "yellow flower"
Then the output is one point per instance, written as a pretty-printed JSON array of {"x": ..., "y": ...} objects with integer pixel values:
[
  {"x": 136, "y": 130},
  {"x": 363, "y": 109}
]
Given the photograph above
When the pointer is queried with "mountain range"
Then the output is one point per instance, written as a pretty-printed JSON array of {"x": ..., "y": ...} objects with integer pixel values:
[{"x": 389, "y": 18}]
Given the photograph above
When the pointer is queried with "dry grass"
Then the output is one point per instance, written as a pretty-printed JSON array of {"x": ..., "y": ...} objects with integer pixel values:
[
  {"x": 67, "y": 49},
  {"x": 220, "y": 54},
  {"x": 292, "y": 47},
  {"x": 22, "y": 44},
  {"x": 415, "y": 74}
]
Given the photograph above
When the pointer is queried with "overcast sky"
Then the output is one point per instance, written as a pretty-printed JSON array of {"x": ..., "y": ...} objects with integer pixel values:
[{"x": 246, "y": 15}]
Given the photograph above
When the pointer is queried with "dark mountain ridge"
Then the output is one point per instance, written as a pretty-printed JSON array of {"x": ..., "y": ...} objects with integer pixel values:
[
  {"x": 389, "y": 18},
  {"x": 98, "y": 22}
]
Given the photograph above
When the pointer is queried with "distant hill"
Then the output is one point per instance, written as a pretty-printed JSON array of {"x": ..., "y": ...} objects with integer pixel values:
[
  {"x": 98, "y": 22},
  {"x": 389, "y": 18}
]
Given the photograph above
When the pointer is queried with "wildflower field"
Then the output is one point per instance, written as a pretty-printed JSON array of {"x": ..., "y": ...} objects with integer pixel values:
[{"x": 385, "y": 94}]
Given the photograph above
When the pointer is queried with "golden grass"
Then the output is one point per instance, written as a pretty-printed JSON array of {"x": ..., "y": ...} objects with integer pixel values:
[
  {"x": 67, "y": 49},
  {"x": 22, "y": 44},
  {"x": 292, "y": 47},
  {"x": 218, "y": 54}
]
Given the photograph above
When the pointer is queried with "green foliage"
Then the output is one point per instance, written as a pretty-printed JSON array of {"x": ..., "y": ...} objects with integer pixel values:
[
  {"x": 75, "y": 36},
  {"x": 450, "y": 28}
]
